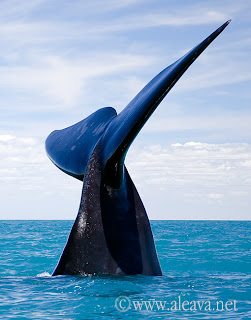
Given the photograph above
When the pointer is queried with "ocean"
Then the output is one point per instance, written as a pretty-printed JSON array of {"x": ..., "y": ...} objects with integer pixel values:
[{"x": 206, "y": 267}]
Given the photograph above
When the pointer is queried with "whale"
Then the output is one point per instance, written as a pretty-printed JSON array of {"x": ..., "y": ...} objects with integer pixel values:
[{"x": 112, "y": 234}]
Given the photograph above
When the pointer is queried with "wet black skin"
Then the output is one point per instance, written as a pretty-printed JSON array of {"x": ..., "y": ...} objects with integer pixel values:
[{"x": 112, "y": 233}]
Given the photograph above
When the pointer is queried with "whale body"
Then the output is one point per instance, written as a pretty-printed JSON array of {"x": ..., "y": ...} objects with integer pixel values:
[{"x": 112, "y": 233}]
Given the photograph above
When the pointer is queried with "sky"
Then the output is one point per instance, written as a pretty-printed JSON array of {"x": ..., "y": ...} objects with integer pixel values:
[{"x": 60, "y": 61}]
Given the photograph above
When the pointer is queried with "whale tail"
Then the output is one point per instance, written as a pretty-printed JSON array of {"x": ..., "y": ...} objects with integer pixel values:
[
  {"x": 124, "y": 128},
  {"x": 70, "y": 149},
  {"x": 112, "y": 233}
]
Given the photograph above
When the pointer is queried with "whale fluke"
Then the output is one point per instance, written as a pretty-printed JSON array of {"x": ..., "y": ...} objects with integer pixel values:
[
  {"x": 112, "y": 233},
  {"x": 71, "y": 148}
]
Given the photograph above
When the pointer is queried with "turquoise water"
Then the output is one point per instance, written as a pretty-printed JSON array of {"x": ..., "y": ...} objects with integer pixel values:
[{"x": 202, "y": 261}]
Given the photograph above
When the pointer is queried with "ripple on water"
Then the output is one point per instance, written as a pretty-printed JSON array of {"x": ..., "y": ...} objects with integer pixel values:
[{"x": 200, "y": 260}]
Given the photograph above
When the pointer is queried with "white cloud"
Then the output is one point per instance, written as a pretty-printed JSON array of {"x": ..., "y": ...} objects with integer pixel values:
[
  {"x": 14, "y": 9},
  {"x": 211, "y": 75},
  {"x": 184, "y": 18},
  {"x": 215, "y": 196},
  {"x": 193, "y": 172},
  {"x": 192, "y": 163},
  {"x": 193, "y": 180},
  {"x": 19, "y": 34},
  {"x": 234, "y": 124},
  {"x": 6, "y": 137},
  {"x": 17, "y": 27},
  {"x": 24, "y": 165},
  {"x": 64, "y": 80},
  {"x": 115, "y": 4},
  {"x": 52, "y": 62},
  {"x": 246, "y": 163},
  {"x": 32, "y": 47}
]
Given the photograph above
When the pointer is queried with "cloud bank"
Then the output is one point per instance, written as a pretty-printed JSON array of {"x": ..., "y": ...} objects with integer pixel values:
[{"x": 199, "y": 171}]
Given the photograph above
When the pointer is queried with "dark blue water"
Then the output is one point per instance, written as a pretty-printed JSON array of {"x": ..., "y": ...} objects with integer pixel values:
[{"x": 206, "y": 266}]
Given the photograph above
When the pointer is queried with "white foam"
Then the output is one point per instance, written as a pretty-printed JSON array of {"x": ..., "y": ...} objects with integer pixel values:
[{"x": 44, "y": 274}]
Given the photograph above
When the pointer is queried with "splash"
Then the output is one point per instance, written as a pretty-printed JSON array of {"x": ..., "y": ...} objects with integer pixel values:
[{"x": 44, "y": 274}]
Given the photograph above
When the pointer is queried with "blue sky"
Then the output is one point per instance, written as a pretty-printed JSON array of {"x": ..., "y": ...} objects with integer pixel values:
[{"x": 61, "y": 61}]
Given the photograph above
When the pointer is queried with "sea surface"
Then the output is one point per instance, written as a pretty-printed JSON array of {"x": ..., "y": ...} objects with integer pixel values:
[{"x": 206, "y": 267}]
